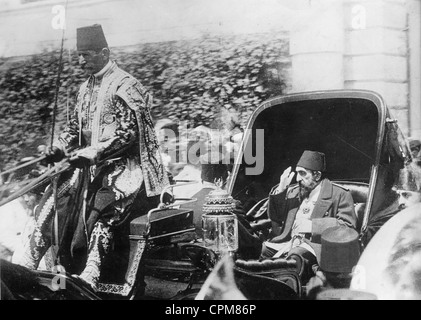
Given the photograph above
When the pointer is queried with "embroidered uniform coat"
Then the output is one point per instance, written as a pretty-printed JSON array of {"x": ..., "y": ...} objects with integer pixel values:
[
  {"x": 112, "y": 122},
  {"x": 112, "y": 112}
]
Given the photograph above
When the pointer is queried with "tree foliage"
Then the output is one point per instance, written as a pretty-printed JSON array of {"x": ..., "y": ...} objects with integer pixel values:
[{"x": 190, "y": 80}]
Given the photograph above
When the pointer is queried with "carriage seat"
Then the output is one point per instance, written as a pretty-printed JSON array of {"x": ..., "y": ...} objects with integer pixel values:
[
  {"x": 270, "y": 272},
  {"x": 163, "y": 225},
  {"x": 359, "y": 192},
  {"x": 265, "y": 265}
]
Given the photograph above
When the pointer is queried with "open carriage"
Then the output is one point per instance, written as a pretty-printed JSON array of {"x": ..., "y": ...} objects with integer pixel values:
[
  {"x": 364, "y": 147},
  {"x": 365, "y": 152}
]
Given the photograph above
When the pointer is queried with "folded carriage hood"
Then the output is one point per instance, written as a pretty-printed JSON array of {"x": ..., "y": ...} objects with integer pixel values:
[{"x": 349, "y": 126}]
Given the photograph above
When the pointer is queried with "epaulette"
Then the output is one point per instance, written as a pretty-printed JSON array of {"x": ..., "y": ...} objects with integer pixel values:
[{"x": 340, "y": 186}]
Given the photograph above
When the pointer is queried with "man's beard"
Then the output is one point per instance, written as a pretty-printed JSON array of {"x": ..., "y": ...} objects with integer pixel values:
[{"x": 304, "y": 191}]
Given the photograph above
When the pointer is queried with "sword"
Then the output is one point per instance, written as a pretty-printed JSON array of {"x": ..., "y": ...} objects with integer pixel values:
[
  {"x": 52, "y": 172},
  {"x": 23, "y": 165}
]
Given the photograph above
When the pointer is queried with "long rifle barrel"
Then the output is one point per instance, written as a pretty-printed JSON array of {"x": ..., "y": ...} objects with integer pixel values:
[
  {"x": 23, "y": 165},
  {"x": 62, "y": 166}
]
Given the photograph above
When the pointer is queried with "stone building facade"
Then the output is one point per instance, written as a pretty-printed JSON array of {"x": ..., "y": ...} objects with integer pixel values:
[
  {"x": 334, "y": 44},
  {"x": 365, "y": 44}
]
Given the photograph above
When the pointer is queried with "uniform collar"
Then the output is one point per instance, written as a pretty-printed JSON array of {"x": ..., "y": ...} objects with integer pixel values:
[{"x": 100, "y": 73}]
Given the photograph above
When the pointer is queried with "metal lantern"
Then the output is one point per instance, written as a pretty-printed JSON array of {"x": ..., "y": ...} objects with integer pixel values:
[{"x": 219, "y": 224}]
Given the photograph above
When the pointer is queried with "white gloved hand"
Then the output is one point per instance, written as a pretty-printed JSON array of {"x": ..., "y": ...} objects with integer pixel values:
[{"x": 88, "y": 154}]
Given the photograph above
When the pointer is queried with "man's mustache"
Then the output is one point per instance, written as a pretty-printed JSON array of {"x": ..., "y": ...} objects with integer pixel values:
[
  {"x": 304, "y": 190},
  {"x": 302, "y": 186}
]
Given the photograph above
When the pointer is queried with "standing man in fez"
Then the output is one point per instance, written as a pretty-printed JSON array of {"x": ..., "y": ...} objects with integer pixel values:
[
  {"x": 299, "y": 214},
  {"x": 117, "y": 162}
]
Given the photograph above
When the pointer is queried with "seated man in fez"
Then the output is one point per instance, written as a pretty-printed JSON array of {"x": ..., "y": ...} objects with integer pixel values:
[{"x": 297, "y": 212}]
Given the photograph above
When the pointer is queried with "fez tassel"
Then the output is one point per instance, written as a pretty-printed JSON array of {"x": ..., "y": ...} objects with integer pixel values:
[{"x": 182, "y": 310}]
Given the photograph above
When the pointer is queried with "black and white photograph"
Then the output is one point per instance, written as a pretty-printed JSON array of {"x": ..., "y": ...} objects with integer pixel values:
[{"x": 225, "y": 150}]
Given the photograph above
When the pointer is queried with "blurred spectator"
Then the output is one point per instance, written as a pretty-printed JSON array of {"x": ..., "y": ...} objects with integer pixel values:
[
  {"x": 410, "y": 177},
  {"x": 408, "y": 187},
  {"x": 167, "y": 133},
  {"x": 232, "y": 132},
  {"x": 220, "y": 284},
  {"x": 210, "y": 150},
  {"x": 407, "y": 198},
  {"x": 389, "y": 266},
  {"x": 404, "y": 194},
  {"x": 189, "y": 172},
  {"x": 227, "y": 135},
  {"x": 214, "y": 167},
  {"x": 15, "y": 217},
  {"x": 415, "y": 146},
  {"x": 404, "y": 264}
]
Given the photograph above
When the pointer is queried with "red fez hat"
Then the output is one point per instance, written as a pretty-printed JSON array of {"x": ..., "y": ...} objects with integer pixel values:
[
  {"x": 91, "y": 38},
  {"x": 340, "y": 250},
  {"x": 312, "y": 160}
]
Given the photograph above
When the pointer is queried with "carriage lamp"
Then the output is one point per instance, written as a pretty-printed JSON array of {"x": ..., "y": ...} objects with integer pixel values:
[{"x": 219, "y": 223}]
